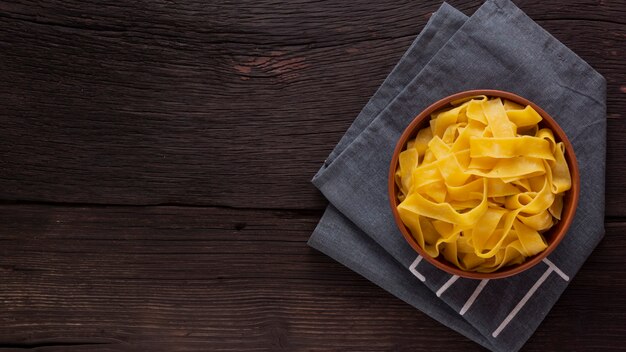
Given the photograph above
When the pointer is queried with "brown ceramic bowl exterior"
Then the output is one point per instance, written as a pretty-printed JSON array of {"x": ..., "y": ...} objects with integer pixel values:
[{"x": 553, "y": 236}]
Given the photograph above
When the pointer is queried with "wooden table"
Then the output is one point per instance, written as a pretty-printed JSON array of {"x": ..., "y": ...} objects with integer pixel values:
[{"x": 155, "y": 160}]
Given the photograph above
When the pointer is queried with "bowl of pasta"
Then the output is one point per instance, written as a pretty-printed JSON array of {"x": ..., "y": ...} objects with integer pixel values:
[{"x": 483, "y": 184}]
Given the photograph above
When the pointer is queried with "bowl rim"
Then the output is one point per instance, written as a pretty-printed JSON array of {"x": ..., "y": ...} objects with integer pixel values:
[{"x": 569, "y": 209}]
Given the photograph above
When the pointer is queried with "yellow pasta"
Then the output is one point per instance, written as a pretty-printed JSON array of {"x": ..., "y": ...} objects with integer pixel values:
[{"x": 482, "y": 183}]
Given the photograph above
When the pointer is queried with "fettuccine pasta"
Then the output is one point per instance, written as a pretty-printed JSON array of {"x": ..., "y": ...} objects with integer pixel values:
[{"x": 482, "y": 183}]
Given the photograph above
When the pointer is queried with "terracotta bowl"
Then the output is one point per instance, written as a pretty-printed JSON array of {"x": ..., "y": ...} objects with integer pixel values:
[{"x": 553, "y": 236}]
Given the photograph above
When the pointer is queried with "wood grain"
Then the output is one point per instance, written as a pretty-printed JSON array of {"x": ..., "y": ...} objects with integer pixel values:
[
  {"x": 232, "y": 104},
  {"x": 240, "y": 280},
  {"x": 229, "y": 108}
]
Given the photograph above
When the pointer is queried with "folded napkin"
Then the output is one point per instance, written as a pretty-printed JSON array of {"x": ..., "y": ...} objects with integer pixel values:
[{"x": 498, "y": 47}]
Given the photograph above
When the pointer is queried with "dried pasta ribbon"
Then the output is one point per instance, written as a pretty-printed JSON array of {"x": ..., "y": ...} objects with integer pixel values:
[{"x": 482, "y": 183}]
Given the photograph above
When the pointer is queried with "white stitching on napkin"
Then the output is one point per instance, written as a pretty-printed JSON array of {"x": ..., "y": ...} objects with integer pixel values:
[
  {"x": 522, "y": 302},
  {"x": 413, "y": 268},
  {"x": 445, "y": 286},
  {"x": 556, "y": 270},
  {"x": 474, "y": 295},
  {"x": 470, "y": 301}
]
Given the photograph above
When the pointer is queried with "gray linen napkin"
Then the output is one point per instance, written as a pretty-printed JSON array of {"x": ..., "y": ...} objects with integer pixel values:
[{"x": 498, "y": 47}]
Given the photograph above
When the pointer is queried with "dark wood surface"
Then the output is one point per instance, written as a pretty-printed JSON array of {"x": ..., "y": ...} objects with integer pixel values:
[{"x": 155, "y": 160}]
